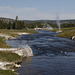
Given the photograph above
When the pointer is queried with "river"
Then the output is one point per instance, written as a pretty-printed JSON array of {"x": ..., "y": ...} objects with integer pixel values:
[{"x": 52, "y": 55}]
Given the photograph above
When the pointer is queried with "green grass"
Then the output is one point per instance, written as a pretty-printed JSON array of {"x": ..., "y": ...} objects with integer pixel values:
[
  {"x": 2, "y": 40},
  {"x": 7, "y": 72},
  {"x": 68, "y": 29},
  {"x": 67, "y": 32},
  {"x": 2, "y": 43},
  {"x": 9, "y": 56},
  {"x": 12, "y": 32}
]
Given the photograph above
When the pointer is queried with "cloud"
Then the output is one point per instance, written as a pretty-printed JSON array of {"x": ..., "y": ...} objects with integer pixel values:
[
  {"x": 24, "y": 13},
  {"x": 12, "y": 12},
  {"x": 67, "y": 16},
  {"x": 27, "y": 13}
]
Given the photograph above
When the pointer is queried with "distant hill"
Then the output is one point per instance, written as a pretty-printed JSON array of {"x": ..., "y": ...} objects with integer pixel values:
[
  {"x": 6, "y": 19},
  {"x": 42, "y": 21},
  {"x": 49, "y": 21}
]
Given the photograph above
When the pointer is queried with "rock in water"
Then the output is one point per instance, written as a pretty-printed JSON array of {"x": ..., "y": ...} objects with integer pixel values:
[{"x": 73, "y": 38}]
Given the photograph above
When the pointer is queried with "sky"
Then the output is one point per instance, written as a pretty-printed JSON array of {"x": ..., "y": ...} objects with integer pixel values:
[{"x": 37, "y": 9}]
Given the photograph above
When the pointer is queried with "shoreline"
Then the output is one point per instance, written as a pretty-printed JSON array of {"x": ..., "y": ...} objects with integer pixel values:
[
  {"x": 66, "y": 32},
  {"x": 22, "y": 52}
]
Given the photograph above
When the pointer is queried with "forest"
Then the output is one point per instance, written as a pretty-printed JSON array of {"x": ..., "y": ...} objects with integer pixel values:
[{"x": 20, "y": 24}]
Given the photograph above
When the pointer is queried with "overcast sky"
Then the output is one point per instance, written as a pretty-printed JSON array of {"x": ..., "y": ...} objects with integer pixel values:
[{"x": 37, "y": 9}]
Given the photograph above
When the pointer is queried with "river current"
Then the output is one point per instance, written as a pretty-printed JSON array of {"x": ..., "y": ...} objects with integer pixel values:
[{"x": 52, "y": 55}]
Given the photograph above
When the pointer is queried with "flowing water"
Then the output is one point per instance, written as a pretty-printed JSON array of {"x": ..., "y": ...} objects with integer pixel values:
[{"x": 52, "y": 55}]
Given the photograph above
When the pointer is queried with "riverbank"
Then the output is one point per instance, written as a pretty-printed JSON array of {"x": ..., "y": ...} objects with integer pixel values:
[
  {"x": 9, "y": 59},
  {"x": 8, "y": 62},
  {"x": 15, "y": 33},
  {"x": 66, "y": 32}
]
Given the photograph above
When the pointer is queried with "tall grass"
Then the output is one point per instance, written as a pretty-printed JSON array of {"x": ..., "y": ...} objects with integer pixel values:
[
  {"x": 7, "y": 72},
  {"x": 9, "y": 56}
]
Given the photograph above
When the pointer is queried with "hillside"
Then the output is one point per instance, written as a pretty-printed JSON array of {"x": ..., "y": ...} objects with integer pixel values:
[
  {"x": 6, "y": 19},
  {"x": 42, "y": 21}
]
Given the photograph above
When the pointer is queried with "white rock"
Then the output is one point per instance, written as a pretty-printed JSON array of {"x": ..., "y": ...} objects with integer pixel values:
[
  {"x": 25, "y": 52},
  {"x": 73, "y": 38},
  {"x": 17, "y": 65}
]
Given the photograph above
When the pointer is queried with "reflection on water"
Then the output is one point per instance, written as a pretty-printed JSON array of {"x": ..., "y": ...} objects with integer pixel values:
[
  {"x": 52, "y": 55},
  {"x": 27, "y": 60},
  {"x": 44, "y": 65}
]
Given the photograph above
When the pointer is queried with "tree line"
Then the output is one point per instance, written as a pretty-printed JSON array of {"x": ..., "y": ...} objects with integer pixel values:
[
  {"x": 66, "y": 25},
  {"x": 17, "y": 24}
]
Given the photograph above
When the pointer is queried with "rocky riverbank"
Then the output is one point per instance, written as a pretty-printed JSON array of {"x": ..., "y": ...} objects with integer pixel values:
[
  {"x": 22, "y": 52},
  {"x": 9, "y": 53}
]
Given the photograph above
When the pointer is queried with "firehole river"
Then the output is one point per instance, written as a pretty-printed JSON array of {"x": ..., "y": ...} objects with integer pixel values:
[{"x": 52, "y": 55}]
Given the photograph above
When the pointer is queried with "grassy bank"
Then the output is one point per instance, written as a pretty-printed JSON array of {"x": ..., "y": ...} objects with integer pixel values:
[
  {"x": 13, "y": 32},
  {"x": 2, "y": 43},
  {"x": 8, "y": 56},
  {"x": 67, "y": 32},
  {"x": 7, "y": 72},
  {"x": 12, "y": 58}
]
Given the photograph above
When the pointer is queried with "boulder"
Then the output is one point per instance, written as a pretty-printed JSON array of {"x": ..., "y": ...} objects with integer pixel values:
[{"x": 73, "y": 38}]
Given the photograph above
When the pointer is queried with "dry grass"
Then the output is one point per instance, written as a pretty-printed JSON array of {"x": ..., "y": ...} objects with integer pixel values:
[{"x": 7, "y": 72}]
